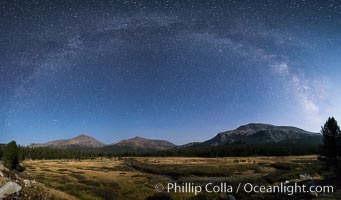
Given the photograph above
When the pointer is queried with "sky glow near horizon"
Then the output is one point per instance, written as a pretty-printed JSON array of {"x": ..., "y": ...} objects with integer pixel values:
[{"x": 175, "y": 70}]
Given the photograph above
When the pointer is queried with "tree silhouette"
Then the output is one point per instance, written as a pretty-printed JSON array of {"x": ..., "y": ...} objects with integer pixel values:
[
  {"x": 331, "y": 139},
  {"x": 10, "y": 155}
]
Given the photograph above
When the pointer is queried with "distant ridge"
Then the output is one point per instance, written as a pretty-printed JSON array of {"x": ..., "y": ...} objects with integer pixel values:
[
  {"x": 253, "y": 133},
  {"x": 84, "y": 142},
  {"x": 139, "y": 144}
]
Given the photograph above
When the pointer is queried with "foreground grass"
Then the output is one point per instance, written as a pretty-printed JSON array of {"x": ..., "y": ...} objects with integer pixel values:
[
  {"x": 92, "y": 179},
  {"x": 135, "y": 177}
]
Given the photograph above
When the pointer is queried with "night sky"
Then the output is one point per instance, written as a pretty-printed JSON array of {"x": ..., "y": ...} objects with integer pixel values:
[{"x": 175, "y": 70}]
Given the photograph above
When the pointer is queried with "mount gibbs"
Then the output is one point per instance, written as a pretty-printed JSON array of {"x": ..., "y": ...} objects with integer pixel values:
[
  {"x": 138, "y": 144},
  {"x": 247, "y": 140}
]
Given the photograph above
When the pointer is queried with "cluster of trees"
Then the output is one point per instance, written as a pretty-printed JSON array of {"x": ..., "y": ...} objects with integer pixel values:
[
  {"x": 279, "y": 149},
  {"x": 45, "y": 153},
  {"x": 11, "y": 154}
]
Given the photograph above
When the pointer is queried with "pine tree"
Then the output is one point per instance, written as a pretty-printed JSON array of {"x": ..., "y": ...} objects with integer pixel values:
[
  {"x": 1, "y": 152},
  {"x": 331, "y": 139},
  {"x": 10, "y": 155}
]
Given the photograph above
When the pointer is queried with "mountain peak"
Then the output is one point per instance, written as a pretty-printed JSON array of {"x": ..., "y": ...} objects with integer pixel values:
[
  {"x": 82, "y": 136},
  {"x": 81, "y": 140},
  {"x": 255, "y": 126},
  {"x": 137, "y": 138},
  {"x": 140, "y": 143}
]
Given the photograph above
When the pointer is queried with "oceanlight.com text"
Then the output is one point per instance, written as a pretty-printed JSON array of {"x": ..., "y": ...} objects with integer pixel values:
[{"x": 283, "y": 188}]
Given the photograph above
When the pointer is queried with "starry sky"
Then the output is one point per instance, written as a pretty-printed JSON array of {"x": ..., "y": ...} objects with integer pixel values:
[{"x": 176, "y": 70}]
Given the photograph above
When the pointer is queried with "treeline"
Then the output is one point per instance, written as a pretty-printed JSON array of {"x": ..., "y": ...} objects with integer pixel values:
[
  {"x": 45, "y": 153},
  {"x": 274, "y": 149},
  {"x": 278, "y": 149},
  {"x": 12, "y": 154}
]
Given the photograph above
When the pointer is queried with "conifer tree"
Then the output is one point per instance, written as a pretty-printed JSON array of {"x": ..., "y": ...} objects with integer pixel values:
[
  {"x": 10, "y": 155},
  {"x": 331, "y": 139}
]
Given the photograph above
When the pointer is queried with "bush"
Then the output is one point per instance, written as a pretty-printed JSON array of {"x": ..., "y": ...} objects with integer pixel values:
[
  {"x": 283, "y": 166},
  {"x": 20, "y": 167}
]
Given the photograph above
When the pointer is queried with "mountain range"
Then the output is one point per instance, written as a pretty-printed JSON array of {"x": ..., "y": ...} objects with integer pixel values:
[
  {"x": 84, "y": 142},
  {"x": 253, "y": 133}
]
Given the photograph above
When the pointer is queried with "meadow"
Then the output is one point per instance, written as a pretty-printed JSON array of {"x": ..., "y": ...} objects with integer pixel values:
[{"x": 136, "y": 177}]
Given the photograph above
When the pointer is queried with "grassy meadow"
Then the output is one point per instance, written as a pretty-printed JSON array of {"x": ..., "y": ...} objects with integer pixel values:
[{"x": 136, "y": 177}]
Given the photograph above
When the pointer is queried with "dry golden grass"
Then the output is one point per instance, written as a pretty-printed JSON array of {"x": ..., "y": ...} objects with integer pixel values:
[
  {"x": 96, "y": 179},
  {"x": 116, "y": 179},
  {"x": 224, "y": 160}
]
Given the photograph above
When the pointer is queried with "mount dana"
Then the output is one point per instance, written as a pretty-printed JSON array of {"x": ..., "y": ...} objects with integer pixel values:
[{"x": 257, "y": 133}]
